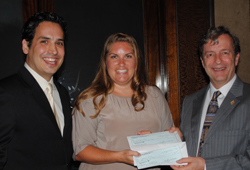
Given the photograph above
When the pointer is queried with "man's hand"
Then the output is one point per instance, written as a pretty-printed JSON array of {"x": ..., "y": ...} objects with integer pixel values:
[{"x": 194, "y": 163}]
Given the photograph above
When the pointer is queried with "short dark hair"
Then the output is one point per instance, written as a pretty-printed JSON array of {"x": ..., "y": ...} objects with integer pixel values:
[
  {"x": 213, "y": 33},
  {"x": 28, "y": 30}
]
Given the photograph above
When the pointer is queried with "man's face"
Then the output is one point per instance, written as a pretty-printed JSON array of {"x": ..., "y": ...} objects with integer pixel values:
[
  {"x": 219, "y": 60},
  {"x": 46, "y": 53}
]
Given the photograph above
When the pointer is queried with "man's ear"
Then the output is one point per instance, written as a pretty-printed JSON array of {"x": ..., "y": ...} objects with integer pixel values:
[
  {"x": 202, "y": 62},
  {"x": 237, "y": 59},
  {"x": 25, "y": 46}
]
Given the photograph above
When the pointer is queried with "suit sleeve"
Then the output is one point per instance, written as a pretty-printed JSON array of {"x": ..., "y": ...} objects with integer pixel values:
[
  {"x": 238, "y": 144},
  {"x": 234, "y": 161},
  {"x": 7, "y": 124}
]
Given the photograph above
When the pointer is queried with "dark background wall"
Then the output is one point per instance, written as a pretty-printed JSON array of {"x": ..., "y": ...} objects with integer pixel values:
[
  {"x": 10, "y": 34},
  {"x": 89, "y": 25}
]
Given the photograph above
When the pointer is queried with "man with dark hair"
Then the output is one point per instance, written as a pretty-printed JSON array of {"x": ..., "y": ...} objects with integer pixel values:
[
  {"x": 215, "y": 120},
  {"x": 35, "y": 115}
]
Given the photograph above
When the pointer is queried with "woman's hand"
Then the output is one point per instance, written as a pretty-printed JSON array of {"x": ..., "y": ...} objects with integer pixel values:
[
  {"x": 143, "y": 132},
  {"x": 126, "y": 156},
  {"x": 173, "y": 129},
  {"x": 97, "y": 156}
]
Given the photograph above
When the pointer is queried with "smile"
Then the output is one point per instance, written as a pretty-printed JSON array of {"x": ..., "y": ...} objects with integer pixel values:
[
  {"x": 121, "y": 71},
  {"x": 219, "y": 69},
  {"x": 50, "y": 60}
]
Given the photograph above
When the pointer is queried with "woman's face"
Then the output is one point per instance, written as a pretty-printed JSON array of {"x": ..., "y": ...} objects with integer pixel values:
[{"x": 121, "y": 63}]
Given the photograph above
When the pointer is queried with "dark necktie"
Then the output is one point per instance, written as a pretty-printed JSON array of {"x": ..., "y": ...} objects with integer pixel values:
[{"x": 211, "y": 112}]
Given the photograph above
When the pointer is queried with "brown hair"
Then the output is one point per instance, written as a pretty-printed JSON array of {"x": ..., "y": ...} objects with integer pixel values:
[
  {"x": 102, "y": 85},
  {"x": 213, "y": 33}
]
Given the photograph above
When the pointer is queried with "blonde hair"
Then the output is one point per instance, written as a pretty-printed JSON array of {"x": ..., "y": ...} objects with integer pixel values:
[{"x": 102, "y": 85}]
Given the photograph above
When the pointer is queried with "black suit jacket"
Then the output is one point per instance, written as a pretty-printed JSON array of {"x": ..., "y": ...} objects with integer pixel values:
[{"x": 29, "y": 135}]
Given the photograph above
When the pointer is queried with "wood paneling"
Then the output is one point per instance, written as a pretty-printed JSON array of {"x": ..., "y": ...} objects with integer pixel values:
[
  {"x": 161, "y": 49},
  {"x": 151, "y": 38},
  {"x": 172, "y": 31},
  {"x": 193, "y": 21},
  {"x": 172, "y": 59},
  {"x": 30, "y": 7}
]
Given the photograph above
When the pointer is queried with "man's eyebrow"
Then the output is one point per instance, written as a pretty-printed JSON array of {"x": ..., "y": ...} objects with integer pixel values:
[
  {"x": 208, "y": 52},
  {"x": 47, "y": 38},
  {"x": 60, "y": 39}
]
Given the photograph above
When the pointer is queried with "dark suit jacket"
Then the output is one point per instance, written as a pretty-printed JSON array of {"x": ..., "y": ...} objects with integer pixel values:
[
  {"x": 29, "y": 135},
  {"x": 227, "y": 144}
]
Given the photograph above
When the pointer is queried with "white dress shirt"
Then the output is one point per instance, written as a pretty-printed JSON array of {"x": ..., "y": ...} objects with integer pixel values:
[{"x": 44, "y": 84}]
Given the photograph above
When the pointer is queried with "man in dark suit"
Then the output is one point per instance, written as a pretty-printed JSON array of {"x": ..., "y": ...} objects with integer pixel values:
[
  {"x": 35, "y": 118},
  {"x": 223, "y": 141}
]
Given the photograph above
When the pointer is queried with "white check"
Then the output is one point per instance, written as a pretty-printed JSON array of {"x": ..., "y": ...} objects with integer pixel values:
[{"x": 162, "y": 148}]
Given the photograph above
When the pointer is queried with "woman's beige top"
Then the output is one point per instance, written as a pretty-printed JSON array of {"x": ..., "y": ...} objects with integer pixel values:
[{"x": 116, "y": 121}]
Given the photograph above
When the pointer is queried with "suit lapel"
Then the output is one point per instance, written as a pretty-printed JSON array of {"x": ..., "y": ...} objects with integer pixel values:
[
  {"x": 196, "y": 118},
  {"x": 43, "y": 103},
  {"x": 65, "y": 106},
  {"x": 38, "y": 95},
  {"x": 226, "y": 108}
]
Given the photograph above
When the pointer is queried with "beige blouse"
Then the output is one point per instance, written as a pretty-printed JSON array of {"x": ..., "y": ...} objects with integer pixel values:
[{"x": 116, "y": 121}]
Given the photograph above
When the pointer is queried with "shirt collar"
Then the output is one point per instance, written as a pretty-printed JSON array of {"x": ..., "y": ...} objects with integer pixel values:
[
  {"x": 40, "y": 80},
  {"x": 224, "y": 89}
]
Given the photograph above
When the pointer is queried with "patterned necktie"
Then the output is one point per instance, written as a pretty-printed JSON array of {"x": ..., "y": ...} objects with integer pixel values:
[
  {"x": 211, "y": 111},
  {"x": 49, "y": 95}
]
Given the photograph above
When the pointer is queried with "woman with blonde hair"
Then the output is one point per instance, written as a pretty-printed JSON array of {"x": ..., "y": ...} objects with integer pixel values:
[{"x": 119, "y": 103}]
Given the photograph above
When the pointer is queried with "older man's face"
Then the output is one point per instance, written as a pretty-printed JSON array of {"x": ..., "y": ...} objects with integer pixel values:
[{"x": 219, "y": 60}]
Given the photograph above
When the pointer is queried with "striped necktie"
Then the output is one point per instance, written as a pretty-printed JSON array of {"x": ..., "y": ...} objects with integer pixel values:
[{"x": 211, "y": 112}]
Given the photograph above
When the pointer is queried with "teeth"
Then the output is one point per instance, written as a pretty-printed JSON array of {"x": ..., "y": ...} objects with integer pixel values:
[
  {"x": 218, "y": 69},
  {"x": 121, "y": 71},
  {"x": 49, "y": 59}
]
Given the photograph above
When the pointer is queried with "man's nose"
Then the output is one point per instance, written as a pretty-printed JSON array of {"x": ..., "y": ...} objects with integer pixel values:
[
  {"x": 53, "y": 49},
  {"x": 218, "y": 59}
]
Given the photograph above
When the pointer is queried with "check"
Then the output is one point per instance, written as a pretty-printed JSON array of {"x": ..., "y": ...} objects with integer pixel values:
[
  {"x": 154, "y": 138},
  {"x": 159, "y": 157},
  {"x": 162, "y": 148}
]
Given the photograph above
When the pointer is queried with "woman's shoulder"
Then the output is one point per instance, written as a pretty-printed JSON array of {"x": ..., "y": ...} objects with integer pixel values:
[
  {"x": 153, "y": 90},
  {"x": 87, "y": 106},
  {"x": 89, "y": 102}
]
